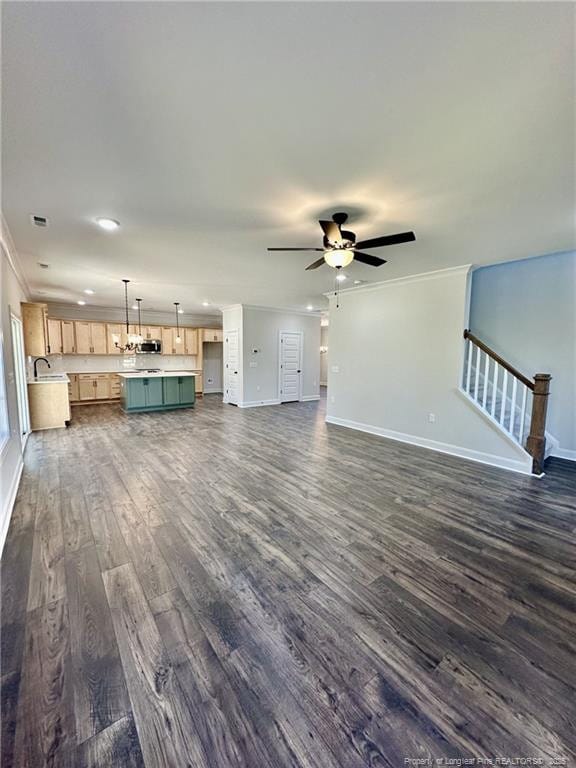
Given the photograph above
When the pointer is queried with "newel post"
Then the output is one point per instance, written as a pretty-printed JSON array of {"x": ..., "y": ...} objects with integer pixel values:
[{"x": 536, "y": 443}]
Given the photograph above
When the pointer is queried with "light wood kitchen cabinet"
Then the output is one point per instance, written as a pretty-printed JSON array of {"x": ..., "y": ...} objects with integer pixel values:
[
  {"x": 190, "y": 341},
  {"x": 68, "y": 337},
  {"x": 167, "y": 341},
  {"x": 35, "y": 327},
  {"x": 73, "y": 391},
  {"x": 99, "y": 340},
  {"x": 83, "y": 338},
  {"x": 54, "y": 337},
  {"x": 94, "y": 386},
  {"x": 49, "y": 405},
  {"x": 91, "y": 338},
  {"x": 212, "y": 334},
  {"x": 115, "y": 386}
]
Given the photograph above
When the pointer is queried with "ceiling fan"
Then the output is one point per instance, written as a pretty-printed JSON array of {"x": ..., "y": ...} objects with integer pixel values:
[{"x": 340, "y": 246}]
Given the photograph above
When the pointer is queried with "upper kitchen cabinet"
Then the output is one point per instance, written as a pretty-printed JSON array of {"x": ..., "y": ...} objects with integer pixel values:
[
  {"x": 190, "y": 341},
  {"x": 91, "y": 338},
  {"x": 212, "y": 334},
  {"x": 54, "y": 337},
  {"x": 68, "y": 337},
  {"x": 167, "y": 338},
  {"x": 35, "y": 326}
]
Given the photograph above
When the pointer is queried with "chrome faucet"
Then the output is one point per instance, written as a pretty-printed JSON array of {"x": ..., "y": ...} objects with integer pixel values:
[{"x": 38, "y": 359}]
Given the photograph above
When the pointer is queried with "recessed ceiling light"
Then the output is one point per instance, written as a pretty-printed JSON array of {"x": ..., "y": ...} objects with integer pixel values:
[
  {"x": 108, "y": 224},
  {"x": 89, "y": 291},
  {"x": 341, "y": 277},
  {"x": 309, "y": 307},
  {"x": 180, "y": 311},
  {"x": 81, "y": 302},
  {"x": 134, "y": 306},
  {"x": 357, "y": 282},
  {"x": 205, "y": 303}
]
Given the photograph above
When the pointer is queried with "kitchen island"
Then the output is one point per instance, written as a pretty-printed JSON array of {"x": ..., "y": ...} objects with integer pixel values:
[{"x": 144, "y": 391}]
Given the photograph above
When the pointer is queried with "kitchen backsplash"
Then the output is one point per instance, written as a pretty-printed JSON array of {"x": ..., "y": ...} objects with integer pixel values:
[{"x": 106, "y": 363}]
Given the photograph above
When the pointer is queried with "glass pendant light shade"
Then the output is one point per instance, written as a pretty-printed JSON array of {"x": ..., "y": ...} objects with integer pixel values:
[{"x": 339, "y": 257}]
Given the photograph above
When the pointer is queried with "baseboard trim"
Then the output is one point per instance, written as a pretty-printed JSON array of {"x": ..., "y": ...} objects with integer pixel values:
[
  {"x": 513, "y": 465},
  {"x": 564, "y": 453},
  {"x": 212, "y": 391},
  {"x": 309, "y": 398},
  {"x": 258, "y": 403},
  {"x": 7, "y": 511}
]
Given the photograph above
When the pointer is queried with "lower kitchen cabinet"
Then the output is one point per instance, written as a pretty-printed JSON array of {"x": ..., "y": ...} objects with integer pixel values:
[
  {"x": 158, "y": 393},
  {"x": 92, "y": 387}
]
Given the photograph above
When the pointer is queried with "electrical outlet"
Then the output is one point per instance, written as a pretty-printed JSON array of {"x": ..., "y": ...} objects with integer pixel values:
[
  {"x": 253, "y": 364},
  {"x": 332, "y": 399},
  {"x": 258, "y": 388},
  {"x": 335, "y": 369},
  {"x": 432, "y": 418}
]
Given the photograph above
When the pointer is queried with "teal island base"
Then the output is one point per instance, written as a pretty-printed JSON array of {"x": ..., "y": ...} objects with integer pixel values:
[{"x": 141, "y": 394}]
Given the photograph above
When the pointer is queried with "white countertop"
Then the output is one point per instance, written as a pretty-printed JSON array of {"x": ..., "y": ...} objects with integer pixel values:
[
  {"x": 159, "y": 375},
  {"x": 50, "y": 378}
]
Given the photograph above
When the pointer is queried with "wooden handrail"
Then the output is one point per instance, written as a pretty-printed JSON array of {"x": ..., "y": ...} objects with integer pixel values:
[
  {"x": 540, "y": 388},
  {"x": 500, "y": 360}
]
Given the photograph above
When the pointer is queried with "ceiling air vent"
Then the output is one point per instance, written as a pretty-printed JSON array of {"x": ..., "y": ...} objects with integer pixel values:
[{"x": 39, "y": 221}]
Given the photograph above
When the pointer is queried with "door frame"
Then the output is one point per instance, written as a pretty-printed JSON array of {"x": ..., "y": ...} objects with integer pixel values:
[
  {"x": 301, "y": 334},
  {"x": 225, "y": 362},
  {"x": 20, "y": 381}
]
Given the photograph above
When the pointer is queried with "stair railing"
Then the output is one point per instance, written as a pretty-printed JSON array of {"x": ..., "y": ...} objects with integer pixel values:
[{"x": 487, "y": 378}]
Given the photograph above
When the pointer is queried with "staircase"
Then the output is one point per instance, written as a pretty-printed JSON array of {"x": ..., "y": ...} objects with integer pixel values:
[{"x": 515, "y": 403}]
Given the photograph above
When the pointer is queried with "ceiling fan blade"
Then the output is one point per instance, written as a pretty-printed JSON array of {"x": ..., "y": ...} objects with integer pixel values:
[
  {"x": 332, "y": 232},
  {"x": 366, "y": 258},
  {"x": 316, "y": 264},
  {"x": 295, "y": 249},
  {"x": 379, "y": 242}
]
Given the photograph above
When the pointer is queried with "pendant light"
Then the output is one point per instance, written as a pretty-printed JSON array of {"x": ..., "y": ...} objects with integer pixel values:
[
  {"x": 132, "y": 340},
  {"x": 140, "y": 337},
  {"x": 178, "y": 339}
]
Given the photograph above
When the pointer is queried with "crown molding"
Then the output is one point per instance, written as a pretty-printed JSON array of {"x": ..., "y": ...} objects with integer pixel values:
[
  {"x": 12, "y": 257},
  {"x": 418, "y": 278}
]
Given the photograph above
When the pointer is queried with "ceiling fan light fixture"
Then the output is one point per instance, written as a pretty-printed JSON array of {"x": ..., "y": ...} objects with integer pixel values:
[{"x": 338, "y": 257}]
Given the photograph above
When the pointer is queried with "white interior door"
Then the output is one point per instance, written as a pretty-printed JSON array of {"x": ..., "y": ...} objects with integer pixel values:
[
  {"x": 231, "y": 367},
  {"x": 290, "y": 366}
]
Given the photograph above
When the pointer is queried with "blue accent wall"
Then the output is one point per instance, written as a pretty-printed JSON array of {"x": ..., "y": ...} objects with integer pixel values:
[{"x": 526, "y": 311}]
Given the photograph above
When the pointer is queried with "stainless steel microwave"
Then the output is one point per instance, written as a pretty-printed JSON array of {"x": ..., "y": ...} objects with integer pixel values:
[{"x": 150, "y": 347}]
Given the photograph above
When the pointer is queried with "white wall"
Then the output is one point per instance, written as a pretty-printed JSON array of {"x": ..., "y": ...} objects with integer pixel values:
[
  {"x": 261, "y": 330},
  {"x": 11, "y": 455},
  {"x": 526, "y": 311},
  {"x": 212, "y": 352},
  {"x": 324, "y": 334},
  {"x": 396, "y": 356}
]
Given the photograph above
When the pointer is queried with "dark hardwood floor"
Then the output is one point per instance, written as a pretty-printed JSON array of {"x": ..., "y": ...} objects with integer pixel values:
[{"x": 225, "y": 587}]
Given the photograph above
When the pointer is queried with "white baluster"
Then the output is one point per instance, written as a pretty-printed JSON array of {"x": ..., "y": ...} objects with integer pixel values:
[
  {"x": 513, "y": 405},
  {"x": 469, "y": 369},
  {"x": 504, "y": 391},
  {"x": 477, "y": 376},
  {"x": 495, "y": 388},
  {"x": 522, "y": 414},
  {"x": 486, "y": 375}
]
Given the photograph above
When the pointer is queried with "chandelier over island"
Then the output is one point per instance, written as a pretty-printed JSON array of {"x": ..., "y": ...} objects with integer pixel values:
[{"x": 133, "y": 340}]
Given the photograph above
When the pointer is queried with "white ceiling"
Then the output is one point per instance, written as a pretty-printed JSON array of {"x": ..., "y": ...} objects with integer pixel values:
[{"x": 213, "y": 130}]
